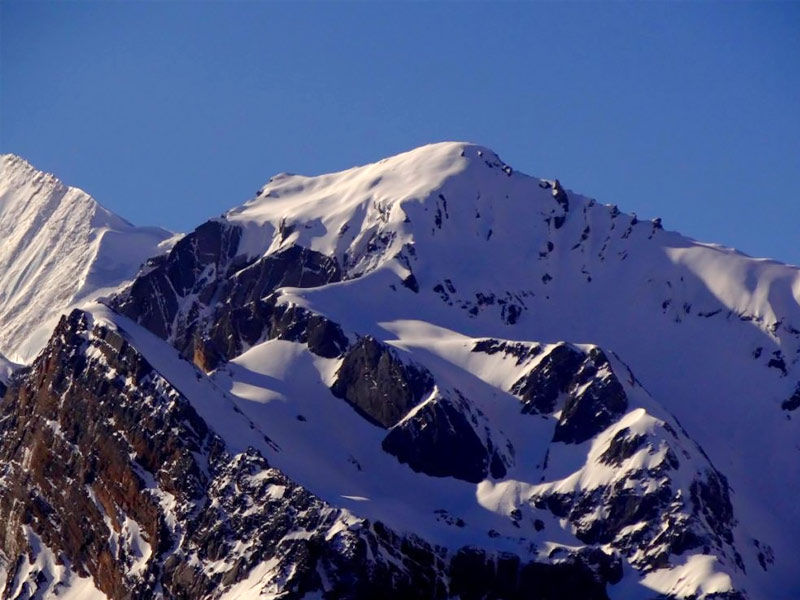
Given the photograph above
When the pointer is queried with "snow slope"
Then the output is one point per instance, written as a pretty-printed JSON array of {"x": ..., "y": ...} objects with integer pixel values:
[{"x": 59, "y": 247}]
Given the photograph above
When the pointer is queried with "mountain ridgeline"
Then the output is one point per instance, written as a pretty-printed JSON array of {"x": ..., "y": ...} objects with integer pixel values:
[{"x": 429, "y": 377}]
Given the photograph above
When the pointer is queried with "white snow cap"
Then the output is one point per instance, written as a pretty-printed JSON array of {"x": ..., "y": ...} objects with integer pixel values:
[{"x": 59, "y": 247}]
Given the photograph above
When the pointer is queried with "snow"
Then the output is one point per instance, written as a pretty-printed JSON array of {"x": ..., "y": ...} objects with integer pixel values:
[
  {"x": 137, "y": 548},
  {"x": 332, "y": 452},
  {"x": 59, "y": 248},
  {"x": 697, "y": 573},
  {"x": 259, "y": 584},
  {"x": 351, "y": 200},
  {"x": 48, "y": 577}
]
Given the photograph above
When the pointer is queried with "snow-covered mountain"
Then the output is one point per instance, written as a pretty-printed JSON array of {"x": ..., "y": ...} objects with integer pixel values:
[
  {"x": 59, "y": 247},
  {"x": 429, "y": 377}
]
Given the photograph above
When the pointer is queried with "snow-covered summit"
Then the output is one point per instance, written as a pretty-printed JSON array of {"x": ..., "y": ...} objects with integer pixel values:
[
  {"x": 338, "y": 209},
  {"x": 453, "y": 200},
  {"x": 59, "y": 246}
]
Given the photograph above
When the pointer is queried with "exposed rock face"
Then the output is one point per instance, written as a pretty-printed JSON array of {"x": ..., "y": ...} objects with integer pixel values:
[
  {"x": 596, "y": 399},
  {"x": 82, "y": 436},
  {"x": 594, "y": 396},
  {"x": 623, "y": 445},
  {"x": 106, "y": 465},
  {"x": 235, "y": 329},
  {"x": 793, "y": 402},
  {"x": 379, "y": 385},
  {"x": 208, "y": 301},
  {"x": 440, "y": 439},
  {"x": 540, "y": 388},
  {"x": 156, "y": 296},
  {"x": 476, "y": 578},
  {"x": 520, "y": 350}
]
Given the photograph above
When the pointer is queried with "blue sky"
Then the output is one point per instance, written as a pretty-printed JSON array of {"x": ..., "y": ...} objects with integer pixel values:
[{"x": 172, "y": 112}]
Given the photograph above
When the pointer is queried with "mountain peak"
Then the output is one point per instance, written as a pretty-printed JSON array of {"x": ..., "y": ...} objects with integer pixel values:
[
  {"x": 59, "y": 245},
  {"x": 353, "y": 204},
  {"x": 427, "y": 294},
  {"x": 19, "y": 174},
  {"x": 10, "y": 160},
  {"x": 19, "y": 170}
]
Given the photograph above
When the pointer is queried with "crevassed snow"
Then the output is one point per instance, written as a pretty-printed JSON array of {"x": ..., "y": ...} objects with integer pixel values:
[{"x": 59, "y": 246}]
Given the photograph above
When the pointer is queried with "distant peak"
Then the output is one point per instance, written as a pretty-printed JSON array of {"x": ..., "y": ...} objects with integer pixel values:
[
  {"x": 441, "y": 153},
  {"x": 45, "y": 191},
  {"x": 16, "y": 162},
  {"x": 19, "y": 168},
  {"x": 10, "y": 158},
  {"x": 468, "y": 150}
]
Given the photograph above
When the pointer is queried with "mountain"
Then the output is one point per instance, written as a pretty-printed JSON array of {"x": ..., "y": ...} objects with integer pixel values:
[
  {"x": 429, "y": 377},
  {"x": 59, "y": 247}
]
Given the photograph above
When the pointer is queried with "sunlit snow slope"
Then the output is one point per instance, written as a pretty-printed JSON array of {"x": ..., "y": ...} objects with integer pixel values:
[{"x": 59, "y": 246}]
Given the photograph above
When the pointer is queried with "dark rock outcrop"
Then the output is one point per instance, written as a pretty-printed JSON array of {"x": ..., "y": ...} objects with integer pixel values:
[
  {"x": 191, "y": 267},
  {"x": 522, "y": 351},
  {"x": 793, "y": 402},
  {"x": 596, "y": 400},
  {"x": 235, "y": 329},
  {"x": 594, "y": 397},
  {"x": 476, "y": 576},
  {"x": 208, "y": 301},
  {"x": 623, "y": 445},
  {"x": 380, "y": 386},
  {"x": 440, "y": 440},
  {"x": 539, "y": 389}
]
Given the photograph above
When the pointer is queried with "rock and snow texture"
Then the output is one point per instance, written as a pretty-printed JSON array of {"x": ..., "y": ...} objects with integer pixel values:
[
  {"x": 59, "y": 246},
  {"x": 6, "y": 368},
  {"x": 470, "y": 382}
]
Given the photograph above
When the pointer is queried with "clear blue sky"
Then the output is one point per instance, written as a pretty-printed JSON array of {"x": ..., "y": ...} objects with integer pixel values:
[{"x": 169, "y": 113}]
